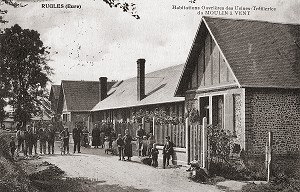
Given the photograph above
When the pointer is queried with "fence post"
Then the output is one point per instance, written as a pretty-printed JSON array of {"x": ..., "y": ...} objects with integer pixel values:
[
  {"x": 154, "y": 131},
  {"x": 143, "y": 123},
  {"x": 204, "y": 142},
  {"x": 269, "y": 155},
  {"x": 88, "y": 123},
  {"x": 114, "y": 125},
  {"x": 187, "y": 140}
]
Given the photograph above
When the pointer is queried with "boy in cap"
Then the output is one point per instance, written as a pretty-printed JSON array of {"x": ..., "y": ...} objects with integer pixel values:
[{"x": 154, "y": 155}]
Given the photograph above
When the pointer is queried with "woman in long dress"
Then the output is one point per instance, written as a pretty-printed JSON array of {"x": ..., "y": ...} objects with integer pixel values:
[
  {"x": 128, "y": 146},
  {"x": 96, "y": 137}
]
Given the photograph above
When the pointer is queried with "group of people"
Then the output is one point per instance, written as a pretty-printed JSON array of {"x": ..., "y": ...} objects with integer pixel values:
[
  {"x": 100, "y": 136},
  {"x": 80, "y": 137},
  {"x": 28, "y": 137},
  {"x": 146, "y": 146}
]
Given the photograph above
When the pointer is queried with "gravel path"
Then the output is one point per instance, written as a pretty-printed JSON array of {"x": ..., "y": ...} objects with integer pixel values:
[{"x": 96, "y": 165}]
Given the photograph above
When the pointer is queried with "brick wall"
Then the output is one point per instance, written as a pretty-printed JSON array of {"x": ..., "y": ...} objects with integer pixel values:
[{"x": 276, "y": 110}]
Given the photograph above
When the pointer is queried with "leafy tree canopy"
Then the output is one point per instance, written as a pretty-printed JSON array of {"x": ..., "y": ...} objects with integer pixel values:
[{"x": 23, "y": 60}]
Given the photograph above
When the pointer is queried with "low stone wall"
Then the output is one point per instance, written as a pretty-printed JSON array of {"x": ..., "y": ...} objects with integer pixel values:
[{"x": 179, "y": 156}]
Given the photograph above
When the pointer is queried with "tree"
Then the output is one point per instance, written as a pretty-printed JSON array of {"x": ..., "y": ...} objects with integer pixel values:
[
  {"x": 23, "y": 58},
  {"x": 125, "y": 6},
  {"x": 3, "y": 114}
]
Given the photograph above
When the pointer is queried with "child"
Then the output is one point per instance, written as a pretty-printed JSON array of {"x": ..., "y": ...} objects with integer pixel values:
[
  {"x": 114, "y": 148},
  {"x": 144, "y": 146},
  {"x": 154, "y": 154},
  {"x": 12, "y": 145},
  {"x": 106, "y": 145}
]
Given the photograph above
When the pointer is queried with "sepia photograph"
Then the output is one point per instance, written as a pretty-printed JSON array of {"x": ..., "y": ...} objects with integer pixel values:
[{"x": 149, "y": 96}]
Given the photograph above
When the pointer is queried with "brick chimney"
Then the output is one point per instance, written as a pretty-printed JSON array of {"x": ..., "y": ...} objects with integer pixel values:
[
  {"x": 140, "y": 79},
  {"x": 102, "y": 88}
]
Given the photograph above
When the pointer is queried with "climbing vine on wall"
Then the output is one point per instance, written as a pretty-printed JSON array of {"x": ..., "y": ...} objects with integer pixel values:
[{"x": 161, "y": 117}]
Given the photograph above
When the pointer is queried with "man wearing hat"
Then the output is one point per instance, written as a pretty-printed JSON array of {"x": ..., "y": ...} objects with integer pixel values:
[
  {"x": 51, "y": 139},
  {"x": 77, "y": 134},
  {"x": 140, "y": 133},
  {"x": 167, "y": 151},
  {"x": 65, "y": 135}
]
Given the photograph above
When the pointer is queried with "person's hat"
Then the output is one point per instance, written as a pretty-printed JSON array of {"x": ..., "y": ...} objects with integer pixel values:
[{"x": 167, "y": 137}]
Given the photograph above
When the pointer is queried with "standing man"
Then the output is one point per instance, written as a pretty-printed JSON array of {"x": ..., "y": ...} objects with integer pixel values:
[
  {"x": 51, "y": 139},
  {"x": 77, "y": 133},
  {"x": 140, "y": 133},
  {"x": 20, "y": 138},
  {"x": 29, "y": 140},
  {"x": 43, "y": 139},
  {"x": 127, "y": 145},
  {"x": 85, "y": 137},
  {"x": 66, "y": 135},
  {"x": 34, "y": 138},
  {"x": 167, "y": 151}
]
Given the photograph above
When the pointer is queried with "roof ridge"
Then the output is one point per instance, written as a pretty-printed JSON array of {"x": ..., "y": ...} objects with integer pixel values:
[
  {"x": 250, "y": 20},
  {"x": 177, "y": 65},
  {"x": 77, "y": 81}
]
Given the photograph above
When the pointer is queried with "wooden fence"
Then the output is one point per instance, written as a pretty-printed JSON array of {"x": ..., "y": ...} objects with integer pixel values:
[
  {"x": 176, "y": 133},
  {"x": 192, "y": 137},
  {"x": 121, "y": 127},
  {"x": 197, "y": 144}
]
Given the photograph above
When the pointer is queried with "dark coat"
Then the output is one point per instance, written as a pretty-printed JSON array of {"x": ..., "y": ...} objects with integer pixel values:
[
  {"x": 77, "y": 133},
  {"x": 120, "y": 142},
  {"x": 127, "y": 146},
  {"x": 168, "y": 148},
  {"x": 42, "y": 135},
  {"x": 154, "y": 153},
  {"x": 65, "y": 134},
  {"x": 51, "y": 135},
  {"x": 96, "y": 137}
]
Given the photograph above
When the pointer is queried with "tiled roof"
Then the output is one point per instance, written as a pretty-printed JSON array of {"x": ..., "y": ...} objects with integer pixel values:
[
  {"x": 159, "y": 88},
  {"x": 260, "y": 54},
  {"x": 81, "y": 95}
]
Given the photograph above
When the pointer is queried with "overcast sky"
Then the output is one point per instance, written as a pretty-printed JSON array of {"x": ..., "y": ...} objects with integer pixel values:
[{"x": 97, "y": 40}]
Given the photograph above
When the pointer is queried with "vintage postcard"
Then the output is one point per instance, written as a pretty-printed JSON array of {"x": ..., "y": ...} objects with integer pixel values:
[{"x": 149, "y": 95}]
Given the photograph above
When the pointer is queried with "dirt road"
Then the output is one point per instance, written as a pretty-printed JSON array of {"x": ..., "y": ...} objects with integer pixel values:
[{"x": 111, "y": 171}]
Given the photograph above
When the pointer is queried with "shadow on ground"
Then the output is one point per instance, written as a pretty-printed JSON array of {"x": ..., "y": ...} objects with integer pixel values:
[{"x": 80, "y": 185}]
